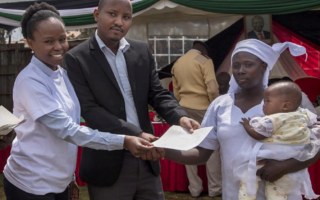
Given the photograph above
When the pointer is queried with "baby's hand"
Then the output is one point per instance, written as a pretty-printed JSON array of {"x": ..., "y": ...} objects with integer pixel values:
[{"x": 245, "y": 123}]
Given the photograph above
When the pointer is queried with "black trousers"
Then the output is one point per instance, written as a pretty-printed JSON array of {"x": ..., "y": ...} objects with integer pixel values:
[
  {"x": 136, "y": 182},
  {"x": 14, "y": 193}
]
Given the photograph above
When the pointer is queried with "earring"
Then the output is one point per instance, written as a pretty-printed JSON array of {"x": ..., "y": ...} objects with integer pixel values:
[{"x": 32, "y": 52}]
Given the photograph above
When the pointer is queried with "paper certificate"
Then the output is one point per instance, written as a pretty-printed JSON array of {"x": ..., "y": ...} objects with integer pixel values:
[
  {"x": 8, "y": 121},
  {"x": 179, "y": 138}
]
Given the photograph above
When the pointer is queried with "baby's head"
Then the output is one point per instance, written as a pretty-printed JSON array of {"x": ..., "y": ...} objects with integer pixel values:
[{"x": 281, "y": 97}]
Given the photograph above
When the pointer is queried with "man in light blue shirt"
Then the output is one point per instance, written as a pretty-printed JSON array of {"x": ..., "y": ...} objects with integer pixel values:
[{"x": 115, "y": 79}]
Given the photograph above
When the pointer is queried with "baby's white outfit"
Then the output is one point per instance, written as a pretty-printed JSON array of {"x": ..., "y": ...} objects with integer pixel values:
[{"x": 288, "y": 136}]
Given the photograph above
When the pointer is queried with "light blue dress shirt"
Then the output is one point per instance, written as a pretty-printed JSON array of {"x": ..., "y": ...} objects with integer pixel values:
[
  {"x": 62, "y": 125},
  {"x": 118, "y": 65}
]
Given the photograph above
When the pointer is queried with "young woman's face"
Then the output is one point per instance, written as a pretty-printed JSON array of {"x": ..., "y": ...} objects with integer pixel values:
[
  {"x": 248, "y": 70},
  {"x": 272, "y": 102},
  {"x": 50, "y": 42}
]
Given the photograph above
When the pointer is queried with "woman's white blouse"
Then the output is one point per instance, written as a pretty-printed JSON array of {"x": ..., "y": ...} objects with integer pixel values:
[
  {"x": 41, "y": 161},
  {"x": 224, "y": 116}
]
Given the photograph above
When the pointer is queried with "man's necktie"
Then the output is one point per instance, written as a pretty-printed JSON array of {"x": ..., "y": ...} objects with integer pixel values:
[{"x": 261, "y": 36}]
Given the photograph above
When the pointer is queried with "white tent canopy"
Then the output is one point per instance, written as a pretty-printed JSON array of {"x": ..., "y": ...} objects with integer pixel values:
[
  {"x": 169, "y": 19},
  {"x": 285, "y": 66}
]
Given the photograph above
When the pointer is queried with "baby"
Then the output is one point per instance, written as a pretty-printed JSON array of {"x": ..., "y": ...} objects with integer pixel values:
[{"x": 283, "y": 133}]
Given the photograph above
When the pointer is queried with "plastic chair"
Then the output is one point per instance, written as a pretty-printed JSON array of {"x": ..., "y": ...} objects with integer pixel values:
[
  {"x": 171, "y": 87},
  {"x": 309, "y": 85}
]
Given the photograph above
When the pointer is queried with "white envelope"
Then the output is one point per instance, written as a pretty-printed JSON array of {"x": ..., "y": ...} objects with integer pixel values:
[
  {"x": 179, "y": 138},
  {"x": 8, "y": 121}
]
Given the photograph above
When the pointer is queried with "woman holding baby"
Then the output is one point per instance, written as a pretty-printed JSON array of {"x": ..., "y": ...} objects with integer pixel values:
[{"x": 230, "y": 114}]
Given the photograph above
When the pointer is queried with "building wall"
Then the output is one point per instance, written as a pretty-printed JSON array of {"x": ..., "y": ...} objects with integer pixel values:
[{"x": 13, "y": 59}]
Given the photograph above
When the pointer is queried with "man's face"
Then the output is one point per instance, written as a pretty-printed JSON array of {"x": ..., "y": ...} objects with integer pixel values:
[
  {"x": 114, "y": 19},
  {"x": 257, "y": 24},
  {"x": 223, "y": 85}
]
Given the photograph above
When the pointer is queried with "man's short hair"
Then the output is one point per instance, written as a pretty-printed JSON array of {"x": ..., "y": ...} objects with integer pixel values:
[
  {"x": 100, "y": 5},
  {"x": 203, "y": 44}
]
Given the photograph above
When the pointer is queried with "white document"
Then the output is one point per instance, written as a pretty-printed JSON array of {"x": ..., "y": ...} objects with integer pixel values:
[
  {"x": 179, "y": 138},
  {"x": 8, "y": 121}
]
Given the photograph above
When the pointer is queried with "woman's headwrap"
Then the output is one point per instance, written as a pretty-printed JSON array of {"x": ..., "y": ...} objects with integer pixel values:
[{"x": 266, "y": 53}]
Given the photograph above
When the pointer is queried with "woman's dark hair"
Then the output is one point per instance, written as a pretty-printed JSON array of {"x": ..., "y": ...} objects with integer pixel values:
[{"x": 35, "y": 14}]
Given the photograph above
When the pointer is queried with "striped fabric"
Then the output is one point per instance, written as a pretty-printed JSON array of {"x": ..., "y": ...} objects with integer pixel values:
[{"x": 73, "y": 18}]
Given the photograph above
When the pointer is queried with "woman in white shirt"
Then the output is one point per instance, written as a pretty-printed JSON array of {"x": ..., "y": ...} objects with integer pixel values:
[
  {"x": 251, "y": 62},
  {"x": 44, "y": 152}
]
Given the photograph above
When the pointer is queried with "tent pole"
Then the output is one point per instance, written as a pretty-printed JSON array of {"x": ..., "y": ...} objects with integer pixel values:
[{"x": 208, "y": 28}]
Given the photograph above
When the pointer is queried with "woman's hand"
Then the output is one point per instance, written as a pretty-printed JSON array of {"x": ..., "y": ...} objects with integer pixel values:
[
  {"x": 73, "y": 191},
  {"x": 272, "y": 170},
  {"x": 155, "y": 153},
  {"x": 5, "y": 140},
  {"x": 147, "y": 136}
]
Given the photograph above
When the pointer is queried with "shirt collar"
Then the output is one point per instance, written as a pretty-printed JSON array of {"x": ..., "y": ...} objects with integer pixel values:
[
  {"x": 123, "y": 44},
  {"x": 43, "y": 67},
  {"x": 195, "y": 50}
]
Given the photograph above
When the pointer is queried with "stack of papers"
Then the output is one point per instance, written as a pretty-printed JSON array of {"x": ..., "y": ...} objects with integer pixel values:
[
  {"x": 179, "y": 138},
  {"x": 8, "y": 121}
]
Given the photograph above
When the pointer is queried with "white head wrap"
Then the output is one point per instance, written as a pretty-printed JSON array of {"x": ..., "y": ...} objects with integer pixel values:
[{"x": 266, "y": 53}]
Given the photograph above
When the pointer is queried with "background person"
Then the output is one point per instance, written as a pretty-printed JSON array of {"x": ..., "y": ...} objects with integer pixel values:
[
  {"x": 223, "y": 79},
  {"x": 115, "y": 79},
  {"x": 258, "y": 32},
  {"x": 44, "y": 152},
  {"x": 195, "y": 87},
  {"x": 251, "y": 62}
]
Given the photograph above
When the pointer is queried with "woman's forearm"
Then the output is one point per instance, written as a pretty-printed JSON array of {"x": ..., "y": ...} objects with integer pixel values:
[
  {"x": 294, "y": 165},
  {"x": 6, "y": 140},
  {"x": 195, "y": 156}
]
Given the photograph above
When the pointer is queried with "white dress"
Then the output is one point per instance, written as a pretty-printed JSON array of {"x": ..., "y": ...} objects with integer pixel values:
[{"x": 224, "y": 116}]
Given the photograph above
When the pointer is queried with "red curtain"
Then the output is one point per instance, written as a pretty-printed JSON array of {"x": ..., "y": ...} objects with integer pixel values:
[
  {"x": 174, "y": 175},
  {"x": 312, "y": 65},
  {"x": 4, "y": 154}
]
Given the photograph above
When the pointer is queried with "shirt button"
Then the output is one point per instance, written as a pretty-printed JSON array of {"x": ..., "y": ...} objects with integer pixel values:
[{"x": 121, "y": 109}]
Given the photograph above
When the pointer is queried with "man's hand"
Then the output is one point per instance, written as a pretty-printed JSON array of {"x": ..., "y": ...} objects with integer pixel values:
[
  {"x": 189, "y": 124},
  {"x": 155, "y": 153},
  {"x": 5, "y": 140},
  {"x": 73, "y": 191},
  {"x": 272, "y": 170},
  {"x": 137, "y": 146}
]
